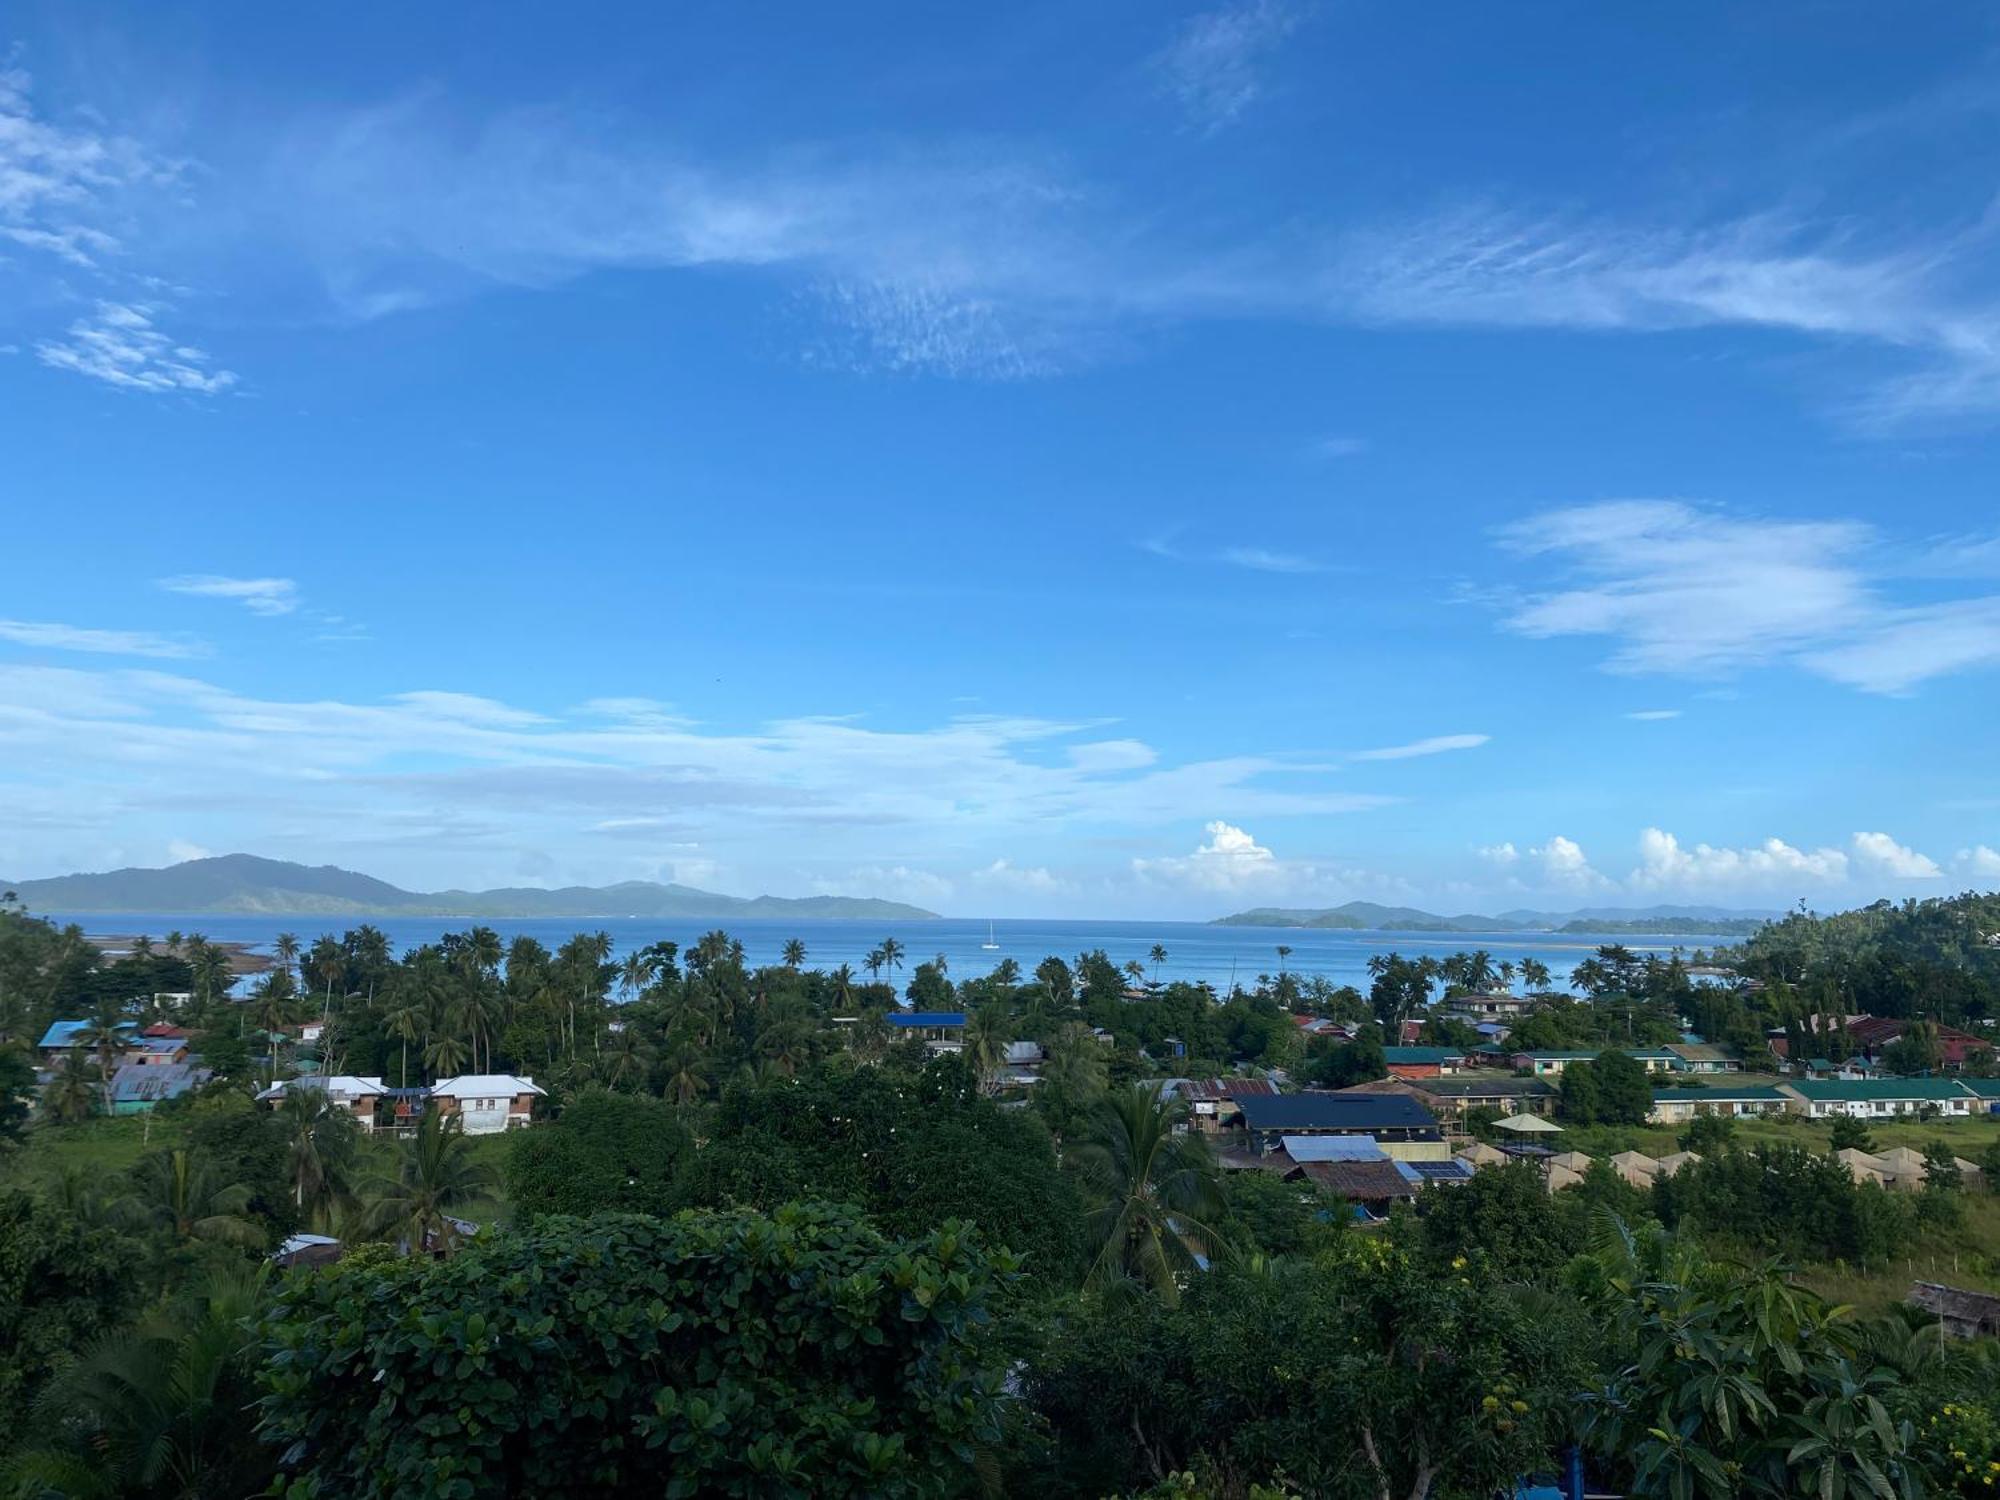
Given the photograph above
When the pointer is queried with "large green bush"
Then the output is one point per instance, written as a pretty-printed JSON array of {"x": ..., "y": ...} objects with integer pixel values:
[{"x": 800, "y": 1354}]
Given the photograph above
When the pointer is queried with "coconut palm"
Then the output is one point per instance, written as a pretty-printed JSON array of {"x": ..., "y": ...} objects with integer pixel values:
[
  {"x": 321, "y": 1142},
  {"x": 1152, "y": 1188},
  {"x": 446, "y": 1054},
  {"x": 181, "y": 1192},
  {"x": 795, "y": 954},
  {"x": 686, "y": 1070},
  {"x": 108, "y": 1029},
  {"x": 430, "y": 1179},
  {"x": 629, "y": 1055},
  {"x": 842, "y": 980},
  {"x": 1007, "y": 973},
  {"x": 406, "y": 1023},
  {"x": 1284, "y": 952},
  {"x": 636, "y": 973},
  {"x": 1159, "y": 956},
  {"x": 287, "y": 950},
  {"x": 987, "y": 1034},
  {"x": 72, "y": 1095},
  {"x": 892, "y": 956},
  {"x": 160, "y": 1412},
  {"x": 786, "y": 1044}
]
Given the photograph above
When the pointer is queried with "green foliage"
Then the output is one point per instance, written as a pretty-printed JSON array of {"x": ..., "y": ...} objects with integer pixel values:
[
  {"x": 64, "y": 1282},
  {"x": 1785, "y": 1200},
  {"x": 1445, "y": 1384},
  {"x": 1613, "y": 1090},
  {"x": 1707, "y": 1135},
  {"x": 1153, "y": 1191},
  {"x": 1852, "y": 1134},
  {"x": 1727, "y": 1384},
  {"x": 607, "y": 1151},
  {"x": 17, "y": 1092},
  {"x": 429, "y": 1180},
  {"x": 1502, "y": 1222},
  {"x": 1344, "y": 1064},
  {"x": 156, "y": 1413},
  {"x": 1262, "y": 1213},
  {"x": 712, "y": 1354}
]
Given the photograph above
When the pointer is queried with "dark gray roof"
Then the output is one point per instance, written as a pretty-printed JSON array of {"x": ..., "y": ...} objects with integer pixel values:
[
  {"x": 1461, "y": 1088},
  {"x": 1297, "y": 1112}
]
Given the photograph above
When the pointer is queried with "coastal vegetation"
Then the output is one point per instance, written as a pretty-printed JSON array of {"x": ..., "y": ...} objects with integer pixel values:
[{"x": 765, "y": 1241}]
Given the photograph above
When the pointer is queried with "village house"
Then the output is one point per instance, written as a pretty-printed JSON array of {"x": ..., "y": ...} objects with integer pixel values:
[
  {"x": 1400, "y": 1125},
  {"x": 1678, "y": 1106},
  {"x": 138, "y": 1088},
  {"x": 1963, "y": 1314},
  {"x": 1421, "y": 1062},
  {"x": 1705, "y": 1057},
  {"x": 1450, "y": 1098},
  {"x": 1551, "y": 1064},
  {"x": 1869, "y": 1035},
  {"x": 1880, "y": 1098},
  {"x": 1212, "y": 1102},
  {"x": 1487, "y": 1005},
  {"x": 487, "y": 1103},
  {"x": 941, "y": 1030},
  {"x": 360, "y": 1097}
]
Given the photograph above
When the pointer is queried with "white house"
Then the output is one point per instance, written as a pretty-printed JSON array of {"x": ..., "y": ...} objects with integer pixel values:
[
  {"x": 1879, "y": 1098},
  {"x": 486, "y": 1103},
  {"x": 358, "y": 1096}
]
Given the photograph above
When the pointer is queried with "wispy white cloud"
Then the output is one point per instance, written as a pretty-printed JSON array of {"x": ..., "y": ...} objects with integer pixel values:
[
  {"x": 120, "y": 345},
  {"x": 55, "y": 637},
  {"x": 1979, "y": 862},
  {"x": 1266, "y": 560},
  {"x": 261, "y": 596},
  {"x": 1437, "y": 744},
  {"x": 1214, "y": 66},
  {"x": 1653, "y": 715},
  {"x": 1693, "y": 591},
  {"x": 1503, "y": 854}
]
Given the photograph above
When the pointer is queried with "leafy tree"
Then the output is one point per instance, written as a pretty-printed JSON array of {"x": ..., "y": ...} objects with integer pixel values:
[
  {"x": 185, "y": 1194},
  {"x": 1582, "y": 1101},
  {"x": 1941, "y": 1171},
  {"x": 157, "y": 1413},
  {"x": 64, "y": 1282},
  {"x": 1447, "y": 1385},
  {"x": 1073, "y": 1079},
  {"x": 1851, "y": 1134},
  {"x": 1347, "y": 1063},
  {"x": 17, "y": 1092},
  {"x": 1502, "y": 1221},
  {"x": 1707, "y": 1134},
  {"x": 811, "y": 1356},
  {"x": 1785, "y": 1200},
  {"x": 607, "y": 1151},
  {"x": 1726, "y": 1383},
  {"x": 431, "y": 1179},
  {"x": 1401, "y": 987},
  {"x": 1625, "y": 1095},
  {"x": 1152, "y": 1188}
]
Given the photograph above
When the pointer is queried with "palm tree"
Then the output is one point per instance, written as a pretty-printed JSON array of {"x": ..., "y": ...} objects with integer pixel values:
[
  {"x": 1007, "y": 973},
  {"x": 72, "y": 1095},
  {"x": 873, "y": 964},
  {"x": 406, "y": 1023},
  {"x": 105, "y": 1035},
  {"x": 892, "y": 956},
  {"x": 431, "y": 1178},
  {"x": 180, "y": 1192},
  {"x": 1284, "y": 953},
  {"x": 986, "y": 1038},
  {"x": 842, "y": 979},
  {"x": 687, "y": 1071},
  {"x": 321, "y": 1140},
  {"x": 636, "y": 973},
  {"x": 628, "y": 1056},
  {"x": 1151, "y": 1185},
  {"x": 795, "y": 954},
  {"x": 1159, "y": 956},
  {"x": 287, "y": 950},
  {"x": 786, "y": 1045},
  {"x": 158, "y": 1412},
  {"x": 446, "y": 1054},
  {"x": 868, "y": 1038},
  {"x": 1134, "y": 970}
]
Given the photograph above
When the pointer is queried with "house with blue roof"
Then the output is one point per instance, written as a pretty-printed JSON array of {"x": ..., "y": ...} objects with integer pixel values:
[
  {"x": 940, "y": 1030},
  {"x": 64, "y": 1037}
]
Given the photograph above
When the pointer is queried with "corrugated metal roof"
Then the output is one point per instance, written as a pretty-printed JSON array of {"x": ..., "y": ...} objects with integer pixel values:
[
  {"x": 926, "y": 1018},
  {"x": 1835, "y": 1091},
  {"x": 1304, "y": 1148},
  {"x": 1349, "y": 1112},
  {"x": 1363, "y": 1180}
]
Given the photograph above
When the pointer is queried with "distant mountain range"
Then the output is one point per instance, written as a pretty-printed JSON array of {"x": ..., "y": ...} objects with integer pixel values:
[
  {"x": 1365, "y": 916},
  {"x": 244, "y": 884}
]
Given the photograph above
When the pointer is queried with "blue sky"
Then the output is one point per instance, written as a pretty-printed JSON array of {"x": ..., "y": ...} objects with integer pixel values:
[{"x": 1041, "y": 459}]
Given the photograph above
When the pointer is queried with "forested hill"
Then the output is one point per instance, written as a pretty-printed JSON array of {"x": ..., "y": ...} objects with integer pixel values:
[
  {"x": 1358, "y": 916},
  {"x": 1938, "y": 958},
  {"x": 245, "y": 883}
]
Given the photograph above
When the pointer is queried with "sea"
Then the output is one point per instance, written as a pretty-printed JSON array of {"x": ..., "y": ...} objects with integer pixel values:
[{"x": 1196, "y": 951}]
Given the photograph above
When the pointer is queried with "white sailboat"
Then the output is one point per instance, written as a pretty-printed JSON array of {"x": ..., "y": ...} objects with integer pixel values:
[{"x": 989, "y": 943}]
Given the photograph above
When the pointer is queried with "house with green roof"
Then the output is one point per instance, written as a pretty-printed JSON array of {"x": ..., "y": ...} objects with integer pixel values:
[
  {"x": 1678, "y": 1106},
  {"x": 1551, "y": 1064},
  {"x": 1882, "y": 1098}
]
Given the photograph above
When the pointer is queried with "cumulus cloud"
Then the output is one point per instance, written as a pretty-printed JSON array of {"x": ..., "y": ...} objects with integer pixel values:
[
  {"x": 261, "y": 596},
  {"x": 1229, "y": 860},
  {"x": 1436, "y": 745},
  {"x": 1563, "y": 863},
  {"x": 1881, "y": 853},
  {"x": 1979, "y": 862},
  {"x": 1003, "y": 874},
  {"x": 1690, "y": 591},
  {"x": 1499, "y": 854},
  {"x": 1665, "y": 863}
]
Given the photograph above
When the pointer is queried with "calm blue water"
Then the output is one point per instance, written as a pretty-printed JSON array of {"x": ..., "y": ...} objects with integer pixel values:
[{"x": 1195, "y": 951}]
